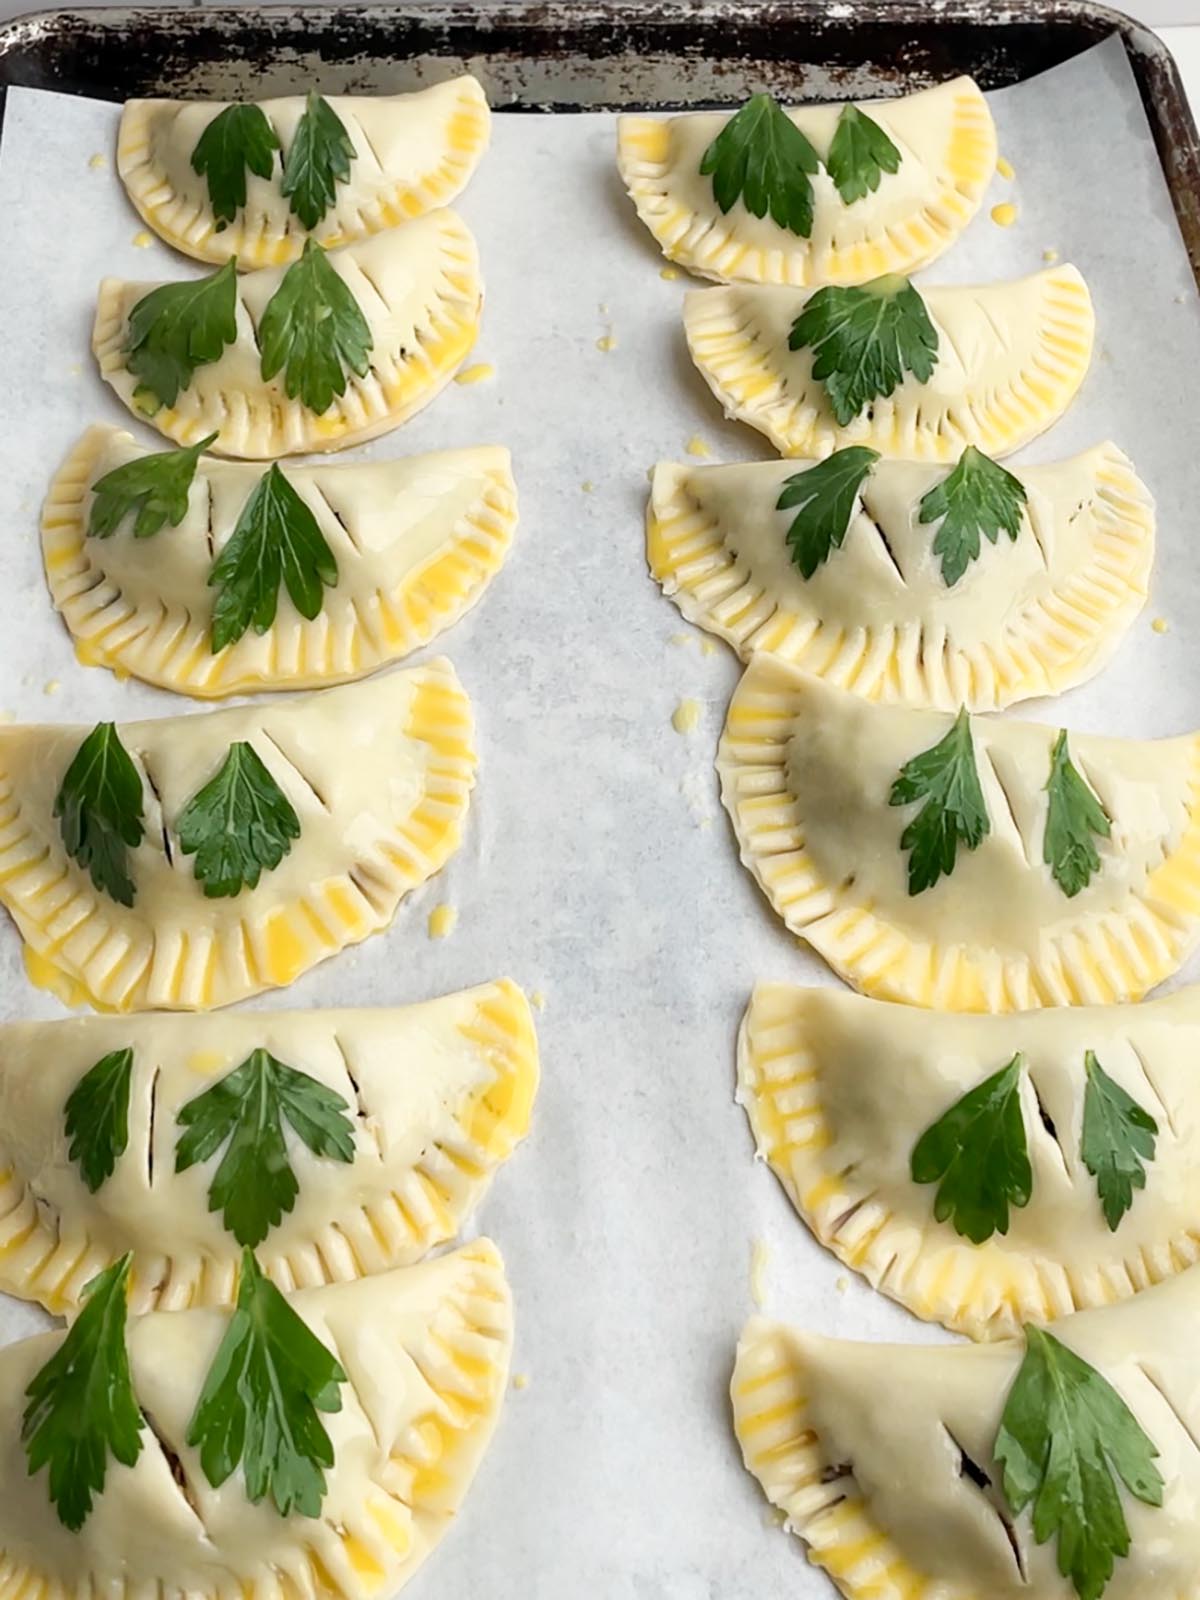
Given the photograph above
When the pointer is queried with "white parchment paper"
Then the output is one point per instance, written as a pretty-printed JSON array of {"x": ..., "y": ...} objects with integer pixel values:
[{"x": 598, "y": 868}]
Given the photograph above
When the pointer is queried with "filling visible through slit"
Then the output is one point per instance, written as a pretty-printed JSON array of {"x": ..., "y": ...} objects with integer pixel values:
[
  {"x": 153, "y": 1114},
  {"x": 367, "y": 1122},
  {"x": 1047, "y": 1122},
  {"x": 880, "y": 533},
  {"x": 175, "y": 1467},
  {"x": 972, "y": 1472},
  {"x": 303, "y": 776},
  {"x": 157, "y": 793}
]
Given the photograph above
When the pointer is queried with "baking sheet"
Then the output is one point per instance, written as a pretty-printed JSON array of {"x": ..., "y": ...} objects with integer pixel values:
[{"x": 598, "y": 868}]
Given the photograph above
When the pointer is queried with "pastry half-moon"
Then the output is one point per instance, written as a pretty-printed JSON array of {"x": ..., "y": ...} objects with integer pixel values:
[
  {"x": 416, "y": 541},
  {"x": 807, "y": 773},
  {"x": 439, "y": 1095},
  {"x": 1011, "y": 357},
  {"x": 412, "y": 153},
  {"x": 880, "y": 1456},
  {"x": 947, "y": 146},
  {"x": 419, "y": 290},
  {"x": 840, "y": 1089},
  {"x": 425, "y": 1350},
  {"x": 378, "y": 774},
  {"x": 1030, "y": 616}
]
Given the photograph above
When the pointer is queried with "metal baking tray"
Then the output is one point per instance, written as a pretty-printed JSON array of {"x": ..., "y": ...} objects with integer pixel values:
[{"x": 559, "y": 55}]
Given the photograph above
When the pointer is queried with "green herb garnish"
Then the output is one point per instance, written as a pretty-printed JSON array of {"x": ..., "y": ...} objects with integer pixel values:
[
  {"x": 979, "y": 498},
  {"x": 1073, "y": 815},
  {"x": 864, "y": 340},
  {"x": 860, "y": 154},
  {"x": 236, "y": 140},
  {"x": 825, "y": 496},
  {"x": 97, "y": 1117},
  {"x": 1118, "y": 1137},
  {"x": 99, "y": 807},
  {"x": 254, "y": 1185},
  {"x": 153, "y": 490},
  {"x": 1065, "y": 1438},
  {"x": 977, "y": 1155},
  {"x": 946, "y": 778},
  {"x": 314, "y": 332},
  {"x": 175, "y": 329},
  {"x": 259, "y": 1406},
  {"x": 761, "y": 156},
  {"x": 238, "y": 825},
  {"x": 277, "y": 540},
  {"x": 318, "y": 159},
  {"x": 82, "y": 1407}
]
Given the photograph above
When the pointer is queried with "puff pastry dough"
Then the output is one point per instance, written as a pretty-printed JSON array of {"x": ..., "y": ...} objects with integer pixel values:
[
  {"x": 1011, "y": 357},
  {"x": 379, "y": 773},
  {"x": 416, "y": 541},
  {"x": 426, "y": 1352},
  {"x": 839, "y": 1089},
  {"x": 1027, "y": 618},
  {"x": 947, "y": 145},
  {"x": 418, "y": 288},
  {"x": 440, "y": 1093},
  {"x": 413, "y": 153},
  {"x": 806, "y": 771},
  {"x": 863, "y": 1448}
]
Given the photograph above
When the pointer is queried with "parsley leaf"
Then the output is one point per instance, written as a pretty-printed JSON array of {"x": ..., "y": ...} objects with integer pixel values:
[
  {"x": 1064, "y": 1438},
  {"x": 237, "y": 138},
  {"x": 825, "y": 495},
  {"x": 153, "y": 489},
  {"x": 860, "y": 154},
  {"x": 1073, "y": 815},
  {"x": 238, "y": 823},
  {"x": 946, "y": 778},
  {"x": 99, "y": 804},
  {"x": 314, "y": 331},
  {"x": 175, "y": 329},
  {"x": 270, "y": 1377},
  {"x": 761, "y": 155},
  {"x": 864, "y": 340},
  {"x": 277, "y": 539},
  {"x": 254, "y": 1185},
  {"x": 82, "y": 1407},
  {"x": 978, "y": 497},
  {"x": 1118, "y": 1136},
  {"x": 317, "y": 161},
  {"x": 97, "y": 1117},
  {"x": 977, "y": 1155}
]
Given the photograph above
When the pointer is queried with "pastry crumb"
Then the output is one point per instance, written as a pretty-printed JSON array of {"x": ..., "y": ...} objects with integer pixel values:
[
  {"x": 681, "y": 639},
  {"x": 696, "y": 446},
  {"x": 1005, "y": 214},
  {"x": 588, "y": 486},
  {"x": 760, "y": 1254},
  {"x": 842, "y": 1284},
  {"x": 603, "y": 308},
  {"x": 773, "y": 1517},
  {"x": 51, "y": 686},
  {"x": 538, "y": 1000},
  {"x": 669, "y": 273},
  {"x": 709, "y": 647},
  {"x": 1050, "y": 255},
  {"x": 686, "y": 716},
  {"x": 479, "y": 373},
  {"x": 1161, "y": 625},
  {"x": 1004, "y": 167},
  {"x": 606, "y": 342},
  {"x": 76, "y": 371},
  {"x": 520, "y": 1380},
  {"x": 441, "y": 922},
  {"x": 143, "y": 239},
  {"x": 98, "y": 162}
]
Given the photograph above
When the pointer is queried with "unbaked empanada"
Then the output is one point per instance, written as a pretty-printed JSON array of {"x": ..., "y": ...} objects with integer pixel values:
[
  {"x": 882, "y": 1456},
  {"x": 1029, "y": 616},
  {"x": 439, "y": 1094},
  {"x": 419, "y": 290},
  {"x": 1011, "y": 357},
  {"x": 839, "y": 1090},
  {"x": 416, "y": 541},
  {"x": 425, "y": 1350},
  {"x": 807, "y": 773},
  {"x": 378, "y": 774},
  {"x": 947, "y": 145},
  {"x": 412, "y": 153}
]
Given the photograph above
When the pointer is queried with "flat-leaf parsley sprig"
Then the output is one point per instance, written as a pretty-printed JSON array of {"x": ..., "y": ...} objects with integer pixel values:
[
  {"x": 865, "y": 341},
  {"x": 946, "y": 778},
  {"x": 761, "y": 157},
  {"x": 823, "y": 497}
]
